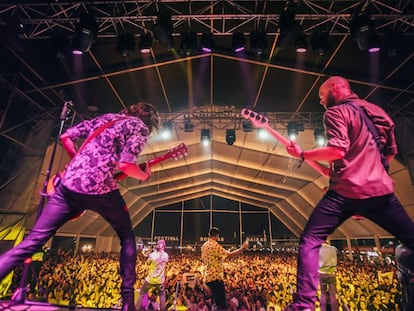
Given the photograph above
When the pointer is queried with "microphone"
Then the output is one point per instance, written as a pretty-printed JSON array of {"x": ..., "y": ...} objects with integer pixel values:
[{"x": 65, "y": 109}]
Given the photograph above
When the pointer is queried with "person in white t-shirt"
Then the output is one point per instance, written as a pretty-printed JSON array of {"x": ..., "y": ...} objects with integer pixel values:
[{"x": 157, "y": 262}]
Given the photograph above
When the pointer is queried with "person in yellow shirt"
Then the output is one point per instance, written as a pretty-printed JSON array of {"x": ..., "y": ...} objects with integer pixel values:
[
  {"x": 272, "y": 302},
  {"x": 213, "y": 255}
]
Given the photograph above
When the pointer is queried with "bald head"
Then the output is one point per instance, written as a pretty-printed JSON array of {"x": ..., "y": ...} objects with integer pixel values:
[
  {"x": 337, "y": 80},
  {"x": 334, "y": 90}
]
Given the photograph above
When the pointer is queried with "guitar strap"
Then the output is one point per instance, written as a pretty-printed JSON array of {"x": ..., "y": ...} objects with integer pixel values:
[
  {"x": 374, "y": 131},
  {"x": 57, "y": 177},
  {"x": 98, "y": 131}
]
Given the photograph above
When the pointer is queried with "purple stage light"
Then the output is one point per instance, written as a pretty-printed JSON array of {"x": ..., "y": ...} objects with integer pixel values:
[{"x": 374, "y": 50}]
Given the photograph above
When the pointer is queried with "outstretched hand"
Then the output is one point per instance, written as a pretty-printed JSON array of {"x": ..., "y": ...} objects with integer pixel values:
[{"x": 294, "y": 150}]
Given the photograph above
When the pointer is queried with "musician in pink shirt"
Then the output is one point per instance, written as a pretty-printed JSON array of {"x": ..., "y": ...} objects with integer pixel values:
[{"x": 359, "y": 180}]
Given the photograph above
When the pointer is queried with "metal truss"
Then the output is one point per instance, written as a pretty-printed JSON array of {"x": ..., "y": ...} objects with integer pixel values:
[
  {"x": 224, "y": 117},
  {"x": 221, "y": 117},
  {"x": 42, "y": 19}
]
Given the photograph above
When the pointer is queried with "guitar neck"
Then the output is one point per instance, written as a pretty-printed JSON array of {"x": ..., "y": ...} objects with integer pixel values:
[
  {"x": 286, "y": 142},
  {"x": 275, "y": 134},
  {"x": 121, "y": 175},
  {"x": 156, "y": 160}
]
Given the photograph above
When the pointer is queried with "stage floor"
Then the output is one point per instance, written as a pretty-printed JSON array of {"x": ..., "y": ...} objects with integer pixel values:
[{"x": 41, "y": 306}]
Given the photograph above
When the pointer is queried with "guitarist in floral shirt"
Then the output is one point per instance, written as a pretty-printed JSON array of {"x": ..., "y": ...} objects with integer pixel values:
[{"x": 89, "y": 182}]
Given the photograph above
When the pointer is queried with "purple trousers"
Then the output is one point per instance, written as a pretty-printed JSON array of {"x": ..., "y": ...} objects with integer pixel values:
[
  {"x": 386, "y": 211},
  {"x": 63, "y": 206}
]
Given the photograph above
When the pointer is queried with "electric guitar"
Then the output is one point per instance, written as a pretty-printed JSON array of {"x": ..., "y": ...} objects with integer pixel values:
[
  {"x": 176, "y": 152},
  {"x": 262, "y": 122}
]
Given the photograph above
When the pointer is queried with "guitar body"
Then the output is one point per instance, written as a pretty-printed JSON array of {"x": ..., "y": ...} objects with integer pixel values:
[
  {"x": 52, "y": 183},
  {"x": 175, "y": 153}
]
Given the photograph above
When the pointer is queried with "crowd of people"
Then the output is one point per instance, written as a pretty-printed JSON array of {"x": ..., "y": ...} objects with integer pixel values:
[{"x": 253, "y": 281}]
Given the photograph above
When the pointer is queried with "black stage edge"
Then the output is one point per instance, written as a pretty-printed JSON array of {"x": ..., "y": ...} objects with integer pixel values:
[{"x": 42, "y": 306}]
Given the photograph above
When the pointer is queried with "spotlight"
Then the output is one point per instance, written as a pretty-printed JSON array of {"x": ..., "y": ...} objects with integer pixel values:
[
  {"x": 85, "y": 35},
  {"x": 207, "y": 42},
  {"x": 293, "y": 129},
  {"x": 145, "y": 43},
  {"x": 258, "y": 42},
  {"x": 188, "y": 126},
  {"x": 375, "y": 44},
  {"x": 364, "y": 33},
  {"x": 262, "y": 133},
  {"x": 205, "y": 137},
  {"x": 288, "y": 27},
  {"x": 162, "y": 30},
  {"x": 301, "y": 43},
  {"x": 188, "y": 44},
  {"x": 247, "y": 126},
  {"x": 166, "y": 130},
  {"x": 238, "y": 42},
  {"x": 320, "y": 42},
  {"x": 126, "y": 44},
  {"x": 319, "y": 135},
  {"x": 288, "y": 38},
  {"x": 230, "y": 136}
]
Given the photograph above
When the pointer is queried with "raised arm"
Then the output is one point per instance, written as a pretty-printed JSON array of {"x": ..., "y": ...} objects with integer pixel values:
[{"x": 239, "y": 250}]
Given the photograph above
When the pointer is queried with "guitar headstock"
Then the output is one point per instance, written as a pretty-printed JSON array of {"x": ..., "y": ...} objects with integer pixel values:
[
  {"x": 257, "y": 119},
  {"x": 178, "y": 151}
]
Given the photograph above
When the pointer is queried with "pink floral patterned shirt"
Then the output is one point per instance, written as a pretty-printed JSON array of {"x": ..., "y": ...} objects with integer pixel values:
[{"x": 92, "y": 170}]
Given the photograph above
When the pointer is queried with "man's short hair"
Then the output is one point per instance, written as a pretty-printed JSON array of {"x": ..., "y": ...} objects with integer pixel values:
[
  {"x": 150, "y": 116},
  {"x": 214, "y": 231}
]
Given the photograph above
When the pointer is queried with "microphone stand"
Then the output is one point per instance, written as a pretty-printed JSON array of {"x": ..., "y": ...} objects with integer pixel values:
[{"x": 19, "y": 295}]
